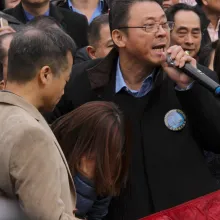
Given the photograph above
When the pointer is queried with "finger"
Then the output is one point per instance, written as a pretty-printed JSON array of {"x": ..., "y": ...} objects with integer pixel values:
[
  {"x": 185, "y": 59},
  {"x": 174, "y": 50},
  {"x": 178, "y": 57}
]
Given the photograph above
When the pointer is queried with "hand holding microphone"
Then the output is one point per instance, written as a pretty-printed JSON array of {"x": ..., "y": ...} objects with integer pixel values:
[{"x": 185, "y": 70}]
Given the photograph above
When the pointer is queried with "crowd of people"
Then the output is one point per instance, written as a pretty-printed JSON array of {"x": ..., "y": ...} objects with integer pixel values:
[{"x": 95, "y": 124}]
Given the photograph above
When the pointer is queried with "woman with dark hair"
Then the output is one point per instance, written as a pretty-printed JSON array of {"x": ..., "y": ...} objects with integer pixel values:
[{"x": 93, "y": 140}]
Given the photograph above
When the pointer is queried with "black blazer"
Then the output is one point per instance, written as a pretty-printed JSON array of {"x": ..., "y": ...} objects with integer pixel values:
[{"x": 74, "y": 24}]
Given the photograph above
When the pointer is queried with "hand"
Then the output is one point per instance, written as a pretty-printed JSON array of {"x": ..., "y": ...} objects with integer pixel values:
[
  {"x": 87, "y": 167},
  {"x": 6, "y": 30},
  {"x": 180, "y": 57}
]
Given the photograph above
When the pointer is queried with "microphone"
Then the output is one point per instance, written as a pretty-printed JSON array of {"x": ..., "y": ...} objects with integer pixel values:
[{"x": 197, "y": 75}]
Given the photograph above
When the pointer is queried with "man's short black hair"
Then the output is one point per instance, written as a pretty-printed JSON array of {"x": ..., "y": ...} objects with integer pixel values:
[
  {"x": 171, "y": 12},
  {"x": 44, "y": 22},
  {"x": 33, "y": 48},
  {"x": 95, "y": 28},
  {"x": 119, "y": 12}
]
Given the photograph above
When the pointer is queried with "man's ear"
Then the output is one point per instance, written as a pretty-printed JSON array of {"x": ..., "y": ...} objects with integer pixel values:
[
  {"x": 118, "y": 38},
  {"x": 45, "y": 75},
  {"x": 91, "y": 52},
  {"x": 2, "y": 85}
]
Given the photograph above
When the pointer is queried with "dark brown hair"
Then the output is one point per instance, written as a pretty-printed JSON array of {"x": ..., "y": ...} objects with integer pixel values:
[{"x": 96, "y": 128}]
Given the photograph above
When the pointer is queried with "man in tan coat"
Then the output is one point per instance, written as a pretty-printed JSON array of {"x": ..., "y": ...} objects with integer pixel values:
[{"x": 33, "y": 170}]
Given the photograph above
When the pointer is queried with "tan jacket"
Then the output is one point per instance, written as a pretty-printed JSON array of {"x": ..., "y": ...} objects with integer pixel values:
[{"x": 33, "y": 168}]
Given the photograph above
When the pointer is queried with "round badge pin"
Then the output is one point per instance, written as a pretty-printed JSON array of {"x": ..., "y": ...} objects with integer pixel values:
[{"x": 175, "y": 120}]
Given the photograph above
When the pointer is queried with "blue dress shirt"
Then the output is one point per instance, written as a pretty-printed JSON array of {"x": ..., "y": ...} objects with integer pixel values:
[
  {"x": 97, "y": 12},
  {"x": 121, "y": 85},
  {"x": 30, "y": 17}
]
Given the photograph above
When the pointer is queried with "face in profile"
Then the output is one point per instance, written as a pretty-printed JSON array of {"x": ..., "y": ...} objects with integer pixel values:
[
  {"x": 187, "y": 32},
  {"x": 54, "y": 85},
  {"x": 11, "y": 3},
  {"x": 147, "y": 45}
]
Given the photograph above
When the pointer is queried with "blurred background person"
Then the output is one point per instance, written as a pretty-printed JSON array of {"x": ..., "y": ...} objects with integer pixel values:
[
  {"x": 5, "y": 41},
  {"x": 210, "y": 20},
  {"x": 187, "y": 32},
  {"x": 216, "y": 64},
  {"x": 70, "y": 21},
  {"x": 90, "y": 8},
  {"x": 207, "y": 55},
  {"x": 168, "y": 3},
  {"x": 100, "y": 41},
  {"x": 94, "y": 141}
]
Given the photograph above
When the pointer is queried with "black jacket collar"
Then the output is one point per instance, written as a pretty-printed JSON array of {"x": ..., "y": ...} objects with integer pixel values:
[{"x": 101, "y": 74}]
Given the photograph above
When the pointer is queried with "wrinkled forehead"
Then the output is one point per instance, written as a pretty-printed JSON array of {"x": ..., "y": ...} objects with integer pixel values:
[{"x": 143, "y": 11}]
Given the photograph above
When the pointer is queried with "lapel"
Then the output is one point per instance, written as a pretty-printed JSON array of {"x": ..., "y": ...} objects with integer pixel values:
[
  {"x": 55, "y": 13},
  {"x": 13, "y": 99},
  {"x": 18, "y": 13}
]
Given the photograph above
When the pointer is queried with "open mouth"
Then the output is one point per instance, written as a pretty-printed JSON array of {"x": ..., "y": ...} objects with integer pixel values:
[{"x": 159, "y": 48}]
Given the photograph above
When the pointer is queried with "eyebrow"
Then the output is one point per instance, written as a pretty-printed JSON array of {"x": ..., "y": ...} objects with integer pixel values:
[
  {"x": 182, "y": 28},
  {"x": 153, "y": 18}
]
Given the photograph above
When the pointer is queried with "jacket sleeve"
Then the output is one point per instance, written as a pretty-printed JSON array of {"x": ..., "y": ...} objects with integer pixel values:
[
  {"x": 88, "y": 203},
  {"x": 36, "y": 176},
  {"x": 203, "y": 113}
]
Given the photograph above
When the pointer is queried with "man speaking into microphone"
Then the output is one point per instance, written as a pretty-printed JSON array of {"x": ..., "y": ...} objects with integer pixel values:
[{"x": 167, "y": 163}]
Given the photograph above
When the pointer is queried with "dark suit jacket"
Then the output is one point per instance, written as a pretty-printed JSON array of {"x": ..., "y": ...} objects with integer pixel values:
[
  {"x": 13, "y": 22},
  {"x": 74, "y": 24}
]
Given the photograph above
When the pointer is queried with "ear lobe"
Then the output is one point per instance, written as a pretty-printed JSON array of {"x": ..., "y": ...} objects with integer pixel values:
[
  {"x": 118, "y": 38},
  {"x": 91, "y": 52}
]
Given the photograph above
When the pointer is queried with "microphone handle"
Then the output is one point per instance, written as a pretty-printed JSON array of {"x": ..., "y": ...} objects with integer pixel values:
[{"x": 202, "y": 78}]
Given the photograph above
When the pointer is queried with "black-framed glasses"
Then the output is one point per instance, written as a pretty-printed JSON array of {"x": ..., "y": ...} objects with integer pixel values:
[{"x": 153, "y": 28}]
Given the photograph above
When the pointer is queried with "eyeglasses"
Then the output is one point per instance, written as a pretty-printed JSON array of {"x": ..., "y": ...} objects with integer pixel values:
[{"x": 153, "y": 28}]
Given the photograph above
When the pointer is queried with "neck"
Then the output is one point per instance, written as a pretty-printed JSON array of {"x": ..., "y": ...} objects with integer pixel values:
[
  {"x": 134, "y": 72},
  {"x": 85, "y": 4},
  {"x": 38, "y": 10},
  {"x": 213, "y": 17},
  {"x": 25, "y": 91}
]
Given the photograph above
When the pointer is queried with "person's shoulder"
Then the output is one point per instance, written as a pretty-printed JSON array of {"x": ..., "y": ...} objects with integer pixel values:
[
  {"x": 9, "y": 11},
  {"x": 208, "y": 72}
]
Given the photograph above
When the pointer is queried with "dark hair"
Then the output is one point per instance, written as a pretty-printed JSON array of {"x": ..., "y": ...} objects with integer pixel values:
[
  {"x": 119, "y": 12},
  {"x": 171, "y": 12},
  {"x": 96, "y": 130},
  {"x": 33, "y": 48},
  {"x": 43, "y": 22},
  {"x": 199, "y": 2},
  {"x": 2, "y": 5},
  {"x": 216, "y": 63},
  {"x": 95, "y": 28},
  {"x": 206, "y": 52}
]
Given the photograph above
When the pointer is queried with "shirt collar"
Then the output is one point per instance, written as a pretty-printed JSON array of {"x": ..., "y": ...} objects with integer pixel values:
[
  {"x": 120, "y": 83},
  {"x": 30, "y": 17},
  {"x": 100, "y": 8},
  {"x": 210, "y": 26}
]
